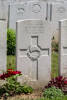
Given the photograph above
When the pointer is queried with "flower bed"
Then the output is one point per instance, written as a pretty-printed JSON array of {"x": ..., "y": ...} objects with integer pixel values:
[
  {"x": 59, "y": 82},
  {"x": 12, "y": 87}
]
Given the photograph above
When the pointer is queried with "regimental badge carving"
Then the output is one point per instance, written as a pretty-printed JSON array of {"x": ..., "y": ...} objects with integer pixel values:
[
  {"x": 33, "y": 53},
  {"x": 20, "y": 11},
  {"x": 36, "y": 8}
]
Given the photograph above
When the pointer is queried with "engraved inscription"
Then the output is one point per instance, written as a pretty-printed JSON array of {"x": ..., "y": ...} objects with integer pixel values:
[
  {"x": 36, "y": 8},
  {"x": 36, "y": 26},
  {"x": 61, "y": 10}
]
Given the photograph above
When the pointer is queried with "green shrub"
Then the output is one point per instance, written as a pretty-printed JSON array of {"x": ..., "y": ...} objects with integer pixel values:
[
  {"x": 11, "y": 42},
  {"x": 14, "y": 87},
  {"x": 27, "y": 89},
  {"x": 53, "y": 93}
]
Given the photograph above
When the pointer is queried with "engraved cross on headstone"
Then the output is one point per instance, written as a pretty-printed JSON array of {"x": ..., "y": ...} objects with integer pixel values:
[{"x": 34, "y": 51}]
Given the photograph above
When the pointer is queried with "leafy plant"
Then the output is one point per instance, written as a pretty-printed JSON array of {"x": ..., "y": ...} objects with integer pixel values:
[
  {"x": 53, "y": 93},
  {"x": 58, "y": 82},
  {"x": 11, "y": 42},
  {"x": 13, "y": 87},
  {"x": 27, "y": 89}
]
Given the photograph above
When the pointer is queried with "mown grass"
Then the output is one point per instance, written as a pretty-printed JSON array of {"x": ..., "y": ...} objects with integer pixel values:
[
  {"x": 11, "y": 63},
  {"x": 64, "y": 98},
  {"x": 42, "y": 98},
  {"x": 54, "y": 64}
]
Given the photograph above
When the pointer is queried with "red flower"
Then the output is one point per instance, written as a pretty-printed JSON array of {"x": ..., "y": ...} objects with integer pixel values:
[
  {"x": 65, "y": 81},
  {"x": 9, "y": 70},
  {"x": 9, "y": 73},
  {"x": 14, "y": 72}
]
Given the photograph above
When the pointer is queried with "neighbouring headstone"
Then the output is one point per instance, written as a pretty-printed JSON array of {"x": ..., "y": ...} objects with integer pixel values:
[
  {"x": 3, "y": 44},
  {"x": 33, "y": 50},
  {"x": 55, "y": 1},
  {"x": 3, "y": 10},
  {"x": 63, "y": 47},
  {"x": 27, "y": 10},
  {"x": 58, "y": 11}
]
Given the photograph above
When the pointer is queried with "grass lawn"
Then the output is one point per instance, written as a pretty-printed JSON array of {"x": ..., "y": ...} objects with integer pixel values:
[
  {"x": 65, "y": 98},
  {"x": 28, "y": 97},
  {"x": 11, "y": 63},
  {"x": 54, "y": 64}
]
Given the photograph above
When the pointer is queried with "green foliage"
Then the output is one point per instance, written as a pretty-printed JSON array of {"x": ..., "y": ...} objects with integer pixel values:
[
  {"x": 11, "y": 62},
  {"x": 11, "y": 42},
  {"x": 53, "y": 93},
  {"x": 50, "y": 99},
  {"x": 13, "y": 87},
  {"x": 27, "y": 89},
  {"x": 2, "y": 90},
  {"x": 54, "y": 65},
  {"x": 24, "y": 89},
  {"x": 42, "y": 98}
]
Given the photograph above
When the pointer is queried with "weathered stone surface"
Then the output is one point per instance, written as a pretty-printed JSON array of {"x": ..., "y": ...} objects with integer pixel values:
[
  {"x": 3, "y": 37},
  {"x": 3, "y": 10},
  {"x": 4, "y": 7},
  {"x": 26, "y": 10},
  {"x": 63, "y": 47},
  {"x": 34, "y": 50},
  {"x": 58, "y": 11}
]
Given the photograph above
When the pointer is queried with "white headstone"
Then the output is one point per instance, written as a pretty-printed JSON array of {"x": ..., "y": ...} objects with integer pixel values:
[
  {"x": 3, "y": 38},
  {"x": 26, "y": 10},
  {"x": 34, "y": 50},
  {"x": 55, "y": 1},
  {"x": 63, "y": 47},
  {"x": 58, "y": 12},
  {"x": 3, "y": 10},
  {"x": 4, "y": 7}
]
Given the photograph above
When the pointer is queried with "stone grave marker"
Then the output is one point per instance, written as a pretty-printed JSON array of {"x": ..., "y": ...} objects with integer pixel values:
[
  {"x": 34, "y": 50},
  {"x": 58, "y": 11},
  {"x": 26, "y": 10},
  {"x": 3, "y": 10},
  {"x": 3, "y": 53},
  {"x": 63, "y": 47}
]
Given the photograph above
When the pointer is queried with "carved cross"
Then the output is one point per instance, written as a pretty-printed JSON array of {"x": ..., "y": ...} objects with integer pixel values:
[{"x": 34, "y": 51}]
